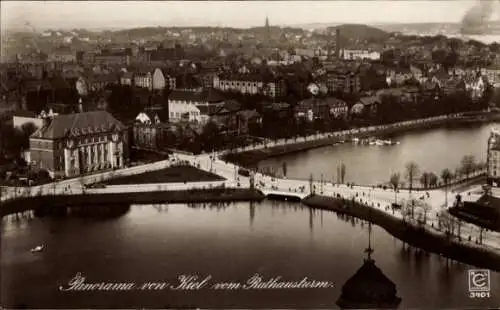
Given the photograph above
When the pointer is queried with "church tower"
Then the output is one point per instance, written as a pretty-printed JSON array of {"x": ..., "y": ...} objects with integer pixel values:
[{"x": 268, "y": 31}]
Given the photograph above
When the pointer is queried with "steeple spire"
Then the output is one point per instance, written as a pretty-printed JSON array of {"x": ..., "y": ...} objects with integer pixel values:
[{"x": 268, "y": 30}]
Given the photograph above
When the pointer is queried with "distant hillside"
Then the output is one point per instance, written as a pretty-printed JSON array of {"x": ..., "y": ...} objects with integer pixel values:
[
  {"x": 360, "y": 32},
  {"x": 422, "y": 28}
]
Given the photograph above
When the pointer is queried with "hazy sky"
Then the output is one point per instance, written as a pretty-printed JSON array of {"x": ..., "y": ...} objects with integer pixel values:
[{"x": 104, "y": 14}]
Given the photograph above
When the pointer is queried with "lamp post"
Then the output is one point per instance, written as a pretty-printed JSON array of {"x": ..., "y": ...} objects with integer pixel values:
[{"x": 321, "y": 183}]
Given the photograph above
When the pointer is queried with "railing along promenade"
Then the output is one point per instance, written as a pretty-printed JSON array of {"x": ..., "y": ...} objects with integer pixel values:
[{"x": 351, "y": 133}]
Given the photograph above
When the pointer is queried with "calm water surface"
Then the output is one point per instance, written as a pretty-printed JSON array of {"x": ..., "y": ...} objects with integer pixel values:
[
  {"x": 433, "y": 150},
  {"x": 230, "y": 244}
]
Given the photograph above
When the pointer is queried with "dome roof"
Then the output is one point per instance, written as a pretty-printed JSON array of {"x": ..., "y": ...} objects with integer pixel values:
[{"x": 368, "y": 288}]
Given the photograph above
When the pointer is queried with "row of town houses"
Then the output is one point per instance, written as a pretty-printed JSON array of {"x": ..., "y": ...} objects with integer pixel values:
[{"x": 343, "y": 80}]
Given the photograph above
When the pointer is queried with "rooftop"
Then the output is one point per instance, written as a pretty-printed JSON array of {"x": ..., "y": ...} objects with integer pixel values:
[
  {"x": 368, "y": 288},
  {"x": 78, "y": 124},
  {"x": 207, "y": 95}
]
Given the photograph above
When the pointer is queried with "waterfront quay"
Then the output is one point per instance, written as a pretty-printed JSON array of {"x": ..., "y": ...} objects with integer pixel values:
[
  {"x": 250, "y": 154},
  {"x": 370, "y": 197}
]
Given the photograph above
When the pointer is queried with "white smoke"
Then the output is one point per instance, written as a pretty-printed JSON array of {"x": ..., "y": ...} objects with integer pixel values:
[{"x": 477, "y": 17}]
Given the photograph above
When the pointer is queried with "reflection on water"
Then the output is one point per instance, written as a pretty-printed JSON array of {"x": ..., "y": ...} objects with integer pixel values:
[
  {"x": 230, "y": 242},
  {"x": 433, "y": 150}
]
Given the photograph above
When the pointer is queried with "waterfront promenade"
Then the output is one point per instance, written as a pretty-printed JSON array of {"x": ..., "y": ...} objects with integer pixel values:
[
  {"x": 434, "y": 202},
  {"x": 348, "y": 134},
  {"x": 431, "y": 202}
]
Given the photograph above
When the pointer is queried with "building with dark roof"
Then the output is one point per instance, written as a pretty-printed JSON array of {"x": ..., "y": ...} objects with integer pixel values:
[
  {"x": 321, "y": 108},
  {"x": 369, "y": 288},
  {"x": 75, "y": 144}
]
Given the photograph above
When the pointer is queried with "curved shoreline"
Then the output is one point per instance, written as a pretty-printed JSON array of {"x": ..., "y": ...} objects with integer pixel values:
[
  {"x": 95, "y": 200},
  {"x": 421, "y": 238},
  {"x": 251, "y": 158},
  {"x": 415, "y": 236}
]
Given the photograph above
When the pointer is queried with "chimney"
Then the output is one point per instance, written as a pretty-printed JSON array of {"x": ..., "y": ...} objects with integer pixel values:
[
  {"x": 80, "y": 105},
  {"x": 337, "y": 43}
]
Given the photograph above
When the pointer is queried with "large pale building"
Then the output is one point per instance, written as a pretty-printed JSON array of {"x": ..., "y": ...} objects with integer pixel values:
[
  {"x": 251, "y": 84},
  {"x": 493, "y": 158},
  {"x": 75, "y": 144}
]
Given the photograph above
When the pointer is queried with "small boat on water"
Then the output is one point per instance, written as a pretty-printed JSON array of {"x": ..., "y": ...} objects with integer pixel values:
[
  {"x": 380, "y": 142},
  {"x": 390, "y": 142},
  {"x": 37, "y": 248}
]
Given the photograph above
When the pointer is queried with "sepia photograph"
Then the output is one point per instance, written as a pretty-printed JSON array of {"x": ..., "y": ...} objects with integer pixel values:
[{"x": 250, "y": 154}]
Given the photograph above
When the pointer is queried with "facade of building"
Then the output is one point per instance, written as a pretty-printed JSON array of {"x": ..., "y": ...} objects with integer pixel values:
[
  {"x": 74, "y": 144},
  {"x": 21, "y": 118},
  {"x": 360, "y": 54},
  {"x": 343, "y": 81},
  {"x": 127, "y": 79},
  {"x": 113, "y": 58},
  {"x": 147, "y": 130},
  {"x": 492, "y": 73},
  {"x": 205, "y": 103},
  {"x": 98, "y": 82},
  {"x": 64, "y": 55},
  {"x": 276, "y": 88},
  {"x": 399, "y": 76},
  {"x": 147, "y": 117},
  {"x": 245, "y": 84},
  {"x": 250, "y": 84},
  {"x": 184, "y": 112},
  {"x": 144, "y": 80},
  {"x": 172, "y": 82},
  {"x": 321, "y": 108},
  {"x": 493, "y": 159}
]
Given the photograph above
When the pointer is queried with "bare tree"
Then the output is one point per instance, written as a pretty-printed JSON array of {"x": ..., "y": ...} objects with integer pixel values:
[
  {"x": 459, "y": 226},
  {"x": 411, "y": 173},
  {"x": 446, "y": 176},
  {"x": 284, "y": 168},
  {"x": 395, "y": 182},
  {"x": 445, "y": 223},
  {"x": 481, "y": 230},
  {"x": 311, "y": 185},
  {"x": 412, "y": 208},
  {"x": 425, "y": 180},
  {"x": 342, "y": 173},
  {"x": 424, "y": 209},
  {"x": 433, "y": 179},
  {"x": 468, "y": 164},
  {"x": 405, "y": 211}
]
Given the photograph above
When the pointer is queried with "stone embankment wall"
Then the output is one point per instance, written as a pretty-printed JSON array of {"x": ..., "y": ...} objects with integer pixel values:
[{"x": 414, "y": 235}]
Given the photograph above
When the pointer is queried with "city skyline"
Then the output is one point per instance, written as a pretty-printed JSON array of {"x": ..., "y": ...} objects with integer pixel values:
[{"x": 96, "y": 15}]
